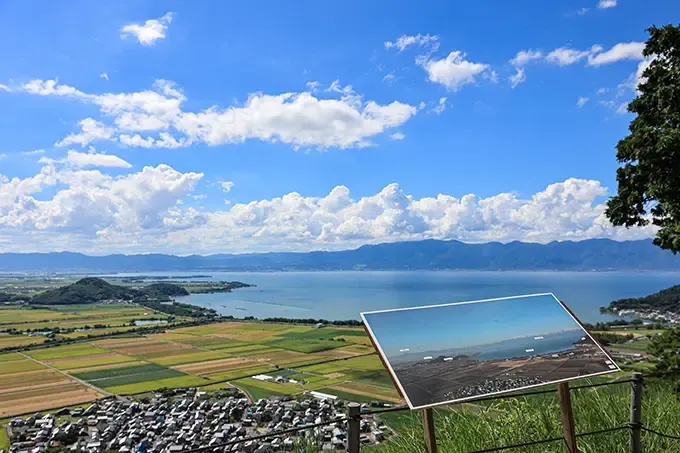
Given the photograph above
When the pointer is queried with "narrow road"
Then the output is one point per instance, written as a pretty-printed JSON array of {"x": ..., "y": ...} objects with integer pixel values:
[{"x": 87, "y": 384}]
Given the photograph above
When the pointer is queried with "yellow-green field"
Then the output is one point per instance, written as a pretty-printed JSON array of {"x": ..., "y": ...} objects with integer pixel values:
[
  {"x": 71, "y": 321},
  {"x": 27, "y": 386},
  {"x": 212, "y": 355}
]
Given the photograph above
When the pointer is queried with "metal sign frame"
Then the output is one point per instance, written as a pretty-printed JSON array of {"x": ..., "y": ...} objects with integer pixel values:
[{"x": 400, "y": 388}]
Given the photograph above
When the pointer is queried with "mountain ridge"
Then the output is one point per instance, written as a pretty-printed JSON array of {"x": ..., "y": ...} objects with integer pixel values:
[{"x": 430, "y": 254}]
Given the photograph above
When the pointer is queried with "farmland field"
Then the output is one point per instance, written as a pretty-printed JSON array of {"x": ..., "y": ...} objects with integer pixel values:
[
  {"x": 60, "y": 352},
  {"x": 10, "y": 356},
  {"x": 64, "y": 322},
  {"x": 19, "y": 366},
  {"x": 350, "y": 396},
  {"x": 27, "y": 386},
  {"x": 33, "y": 400},
  {"x": 638, "y": 346},
  {"x": 181, "y": 381},
  {"x": 72, "y": 363},
  {"x": 210, "y": 355},
  {"x": 10, "y": 341}
]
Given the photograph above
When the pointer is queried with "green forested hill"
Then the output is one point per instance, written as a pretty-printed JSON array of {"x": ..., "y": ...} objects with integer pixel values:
[
  {"x": 8, "y": 297},
  {"x": 90, "y": 290},
  {"x": 665, "y": 300}
]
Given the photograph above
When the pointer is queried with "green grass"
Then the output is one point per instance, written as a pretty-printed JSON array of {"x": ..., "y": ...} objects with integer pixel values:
[
  {"x": 60, "y": 352},
  {"x": 117, "y": 372},
  {"x": 4, "y": 440},
  {"x": 173, "y": 382},
  {"x": 516, "y": 420}
]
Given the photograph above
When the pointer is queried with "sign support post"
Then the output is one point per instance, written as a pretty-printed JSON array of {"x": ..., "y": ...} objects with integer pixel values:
[
  {"x": 353, "y": 427},
  {"x": 636, "y": 413},
  {"x": 428, "y": 426},
  {"x": 567, "y": 417}
]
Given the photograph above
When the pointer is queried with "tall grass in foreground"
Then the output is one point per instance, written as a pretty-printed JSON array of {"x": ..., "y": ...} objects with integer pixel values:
[{"x": 466, "y": 428}]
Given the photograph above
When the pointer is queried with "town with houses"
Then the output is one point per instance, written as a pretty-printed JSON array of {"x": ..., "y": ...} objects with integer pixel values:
[{"x": 181, "y": 420}]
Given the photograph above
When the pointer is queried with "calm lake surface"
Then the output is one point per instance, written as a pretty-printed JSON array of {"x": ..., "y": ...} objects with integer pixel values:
[{"x": 343, "y": 295}]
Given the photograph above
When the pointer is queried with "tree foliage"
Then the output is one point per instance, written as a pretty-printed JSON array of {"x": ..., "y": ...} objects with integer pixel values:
[
  {"x": 666, "y": 349},
  {"x": 649, "y": 178},
  {"x": 665, "y": 300}
]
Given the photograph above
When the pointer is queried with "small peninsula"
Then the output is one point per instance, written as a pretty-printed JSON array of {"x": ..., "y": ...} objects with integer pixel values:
[
  {"x": 92, "y": 290},
  {"x": 661, "y": 306}
]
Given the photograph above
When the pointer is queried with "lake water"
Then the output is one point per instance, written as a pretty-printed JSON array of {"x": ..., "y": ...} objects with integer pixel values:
[
  {"x": 550, "y": 344},
  {"x": 343, "y": 295}
]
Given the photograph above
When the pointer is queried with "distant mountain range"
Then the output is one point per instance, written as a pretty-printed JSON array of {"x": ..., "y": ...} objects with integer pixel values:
[{"x": 593, "y": 254}]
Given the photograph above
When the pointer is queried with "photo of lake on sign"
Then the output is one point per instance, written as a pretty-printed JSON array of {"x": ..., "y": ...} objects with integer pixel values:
[{"x": 454, "y": 352}]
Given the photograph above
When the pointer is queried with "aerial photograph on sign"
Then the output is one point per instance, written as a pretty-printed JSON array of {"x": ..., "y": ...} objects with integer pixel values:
[{"x": 446, "y": 353}]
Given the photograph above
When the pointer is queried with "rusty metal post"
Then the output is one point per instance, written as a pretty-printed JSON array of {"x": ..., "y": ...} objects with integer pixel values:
[
  {"x": 428, "y": 426},
  {"x": 353, "y": 427},
  {"x": 567, "y": 417}
]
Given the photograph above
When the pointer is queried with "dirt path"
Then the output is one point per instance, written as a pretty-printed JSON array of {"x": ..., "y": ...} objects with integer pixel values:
[{"x": 86, "y": 384}]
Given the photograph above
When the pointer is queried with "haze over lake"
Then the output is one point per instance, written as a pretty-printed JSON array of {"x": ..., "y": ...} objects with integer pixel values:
[{"x": 343, "y": 295}]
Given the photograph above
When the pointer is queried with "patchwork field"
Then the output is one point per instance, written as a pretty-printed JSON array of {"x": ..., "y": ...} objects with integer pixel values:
[
  {"x": 10, "y": 341},
  {"x": 26, "y": 401},
  {"x": 73, "y": 316},
  {"x": 27, "y": 386},
  {"x": 210, "y": 356},
  {"x": 71, "y": 321}
]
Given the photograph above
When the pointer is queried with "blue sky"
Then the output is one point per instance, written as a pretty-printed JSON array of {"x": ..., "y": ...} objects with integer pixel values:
[
  {"x": 186, "y": 127},
  {"x": 467, "y": 325}
]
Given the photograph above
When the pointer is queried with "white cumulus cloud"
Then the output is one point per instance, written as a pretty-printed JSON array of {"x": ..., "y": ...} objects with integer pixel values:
[
  {"x": 604, "y": 4},
  {"x": 142, "y": 212},
  {"x": 565, "y": 56},
  {"x": 94, "y": 207},
  {"x": 454, "y": 71},
  {"x": 582, "y": 101},
  {"x": 81, "y": 160},
  {"x": 226, "y": 186},
  {"x": 517, "y": 78},
  {"x": 526, "y": 56},
  {"x": 418, "y": 40},
  {"x": 91, "y": 131},
  {"x": 149, "y": 32},
  {"x": 621, "y": 51},
  {"x": 298, "y": 119}
]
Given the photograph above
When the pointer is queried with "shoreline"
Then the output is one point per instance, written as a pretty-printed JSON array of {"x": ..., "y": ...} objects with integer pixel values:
[
  {"x": 147, "y": 274},
  {"x": 646, "y": 315}
]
